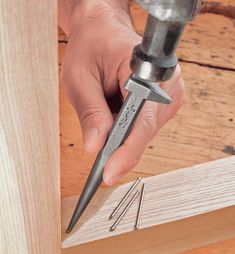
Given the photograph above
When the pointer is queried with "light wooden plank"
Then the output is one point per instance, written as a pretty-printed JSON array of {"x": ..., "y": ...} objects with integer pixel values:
[
  {"x": 29, "y": 128},
  {"x": 169, "y": 197},
  {"x": 169, "y": 238}
]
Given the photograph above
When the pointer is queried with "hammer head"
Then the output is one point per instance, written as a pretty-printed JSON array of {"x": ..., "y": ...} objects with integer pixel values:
[
  {"x": 172, "y": 10},
  {"x": 147, "y": 90}
]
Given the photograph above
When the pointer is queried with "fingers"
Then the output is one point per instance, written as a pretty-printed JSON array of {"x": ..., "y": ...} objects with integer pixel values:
[
  {"x": 86, "y": 95},
  {"x": 128, "y": 155}
]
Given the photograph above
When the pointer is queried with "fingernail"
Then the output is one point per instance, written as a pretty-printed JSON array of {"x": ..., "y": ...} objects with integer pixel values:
[
  {"x": 111, "y": 179},
  {"x": 89, "y": 139}
]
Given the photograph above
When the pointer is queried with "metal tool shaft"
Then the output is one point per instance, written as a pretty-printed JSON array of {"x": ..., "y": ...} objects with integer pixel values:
[
  {"x": 124, "y": 211},
  {"x": 118, "y": 133}
]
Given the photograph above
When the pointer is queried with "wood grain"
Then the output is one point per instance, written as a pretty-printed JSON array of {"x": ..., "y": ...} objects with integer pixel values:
[
  {"x": 225, "y": 247},
  {"x": 169, "y": 238},
  {"x": 29, "y": 128},
  {"x": 169, "y": 197}
]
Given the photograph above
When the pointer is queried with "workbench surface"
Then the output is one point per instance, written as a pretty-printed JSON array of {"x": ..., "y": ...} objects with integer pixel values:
[{"x": 204, "y": 128}]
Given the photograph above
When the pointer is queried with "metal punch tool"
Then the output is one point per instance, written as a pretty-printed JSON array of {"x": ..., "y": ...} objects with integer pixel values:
[{"x": 153, "y": 61}]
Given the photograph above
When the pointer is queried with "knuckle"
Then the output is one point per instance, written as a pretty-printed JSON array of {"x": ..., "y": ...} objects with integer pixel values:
[{"x": 91, "y": 113}]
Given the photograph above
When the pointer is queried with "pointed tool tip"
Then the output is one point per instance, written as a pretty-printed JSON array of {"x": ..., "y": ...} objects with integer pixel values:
[
  {"x": 69, "y": 229},
  {"x": 72, "y": 224}
]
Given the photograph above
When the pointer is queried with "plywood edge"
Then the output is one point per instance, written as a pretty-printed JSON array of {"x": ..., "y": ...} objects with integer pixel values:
[{"x": 169, "y": 197}]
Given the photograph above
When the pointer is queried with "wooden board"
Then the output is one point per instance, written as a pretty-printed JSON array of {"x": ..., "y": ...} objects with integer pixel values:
[
  {"x": 224, "y": 247},
  {"x": 29, "y": 128},
  {"x": 169, "y": 197},
  {"x": 170, "y": 238}
]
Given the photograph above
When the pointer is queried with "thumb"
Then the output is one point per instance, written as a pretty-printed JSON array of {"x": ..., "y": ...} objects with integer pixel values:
[{"x": 94, "y": 114}]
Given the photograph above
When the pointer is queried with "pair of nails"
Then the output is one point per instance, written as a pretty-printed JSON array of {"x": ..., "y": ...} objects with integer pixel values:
[{"x": 142, "y": 190}]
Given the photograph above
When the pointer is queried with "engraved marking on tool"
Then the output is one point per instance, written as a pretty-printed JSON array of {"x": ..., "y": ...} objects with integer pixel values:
[{"x": 128, "y": 116}]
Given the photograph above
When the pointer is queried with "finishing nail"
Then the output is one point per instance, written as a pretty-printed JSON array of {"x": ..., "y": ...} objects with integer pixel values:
[
  {"x": 113, "y": 227},
  {"x": 125, "y": 197},
  {"x": 140, "y": 206}
]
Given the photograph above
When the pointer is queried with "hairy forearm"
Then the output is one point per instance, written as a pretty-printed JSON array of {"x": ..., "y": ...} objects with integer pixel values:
[{"x": 72, "y": 12}]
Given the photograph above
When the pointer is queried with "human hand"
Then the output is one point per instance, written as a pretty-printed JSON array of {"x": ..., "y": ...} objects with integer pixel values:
[{"x": 94, "y": 70}]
